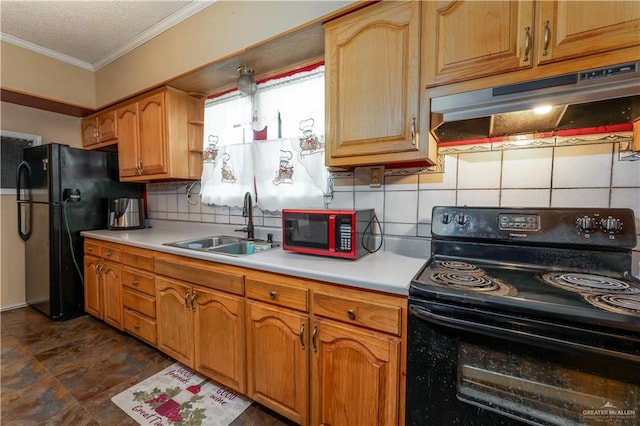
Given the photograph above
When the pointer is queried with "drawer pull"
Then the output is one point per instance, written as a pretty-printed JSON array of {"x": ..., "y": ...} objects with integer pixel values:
[
  {"x": 108, "y": 253},
  {"x": 134, "y": 283},
  {"x": 137, "y": 326},
  {"x": 302, "y": 336},
  {"x": 273, "y": 294},
  {"x": 351, "y": 314}
]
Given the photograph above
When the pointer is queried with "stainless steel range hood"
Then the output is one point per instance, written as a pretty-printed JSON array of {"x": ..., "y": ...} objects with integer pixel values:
[{"x": 588, "y": 99}]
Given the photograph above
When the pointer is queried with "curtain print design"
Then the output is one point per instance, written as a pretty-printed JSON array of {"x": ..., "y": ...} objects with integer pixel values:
[
  {"x": 211, "y": 153},
  {"x": 285, "y": 170},
  {"x": 309, "y": 142},
  {"x": 227, "y": 172}
]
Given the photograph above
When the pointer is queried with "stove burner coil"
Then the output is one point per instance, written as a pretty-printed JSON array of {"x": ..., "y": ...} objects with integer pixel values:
[
  {"x": 588, "y": 283},
  {"x": 473, "y": 281},
  {"x": 619, "y": 303},
  {"x": 459, "y": 266}
]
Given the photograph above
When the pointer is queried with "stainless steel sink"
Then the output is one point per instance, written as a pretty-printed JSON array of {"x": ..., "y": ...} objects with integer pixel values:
[
  {"x": 206, "y": 243},
  {"x": 241, "y": 248},
  {"x": 224, "y": 244}
]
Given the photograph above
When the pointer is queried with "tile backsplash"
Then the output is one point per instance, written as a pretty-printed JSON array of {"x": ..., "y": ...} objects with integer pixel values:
[{"x": 562, "y": 176}]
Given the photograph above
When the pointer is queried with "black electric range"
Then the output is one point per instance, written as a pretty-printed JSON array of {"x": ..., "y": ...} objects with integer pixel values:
[{"x": 517, "y": 309}]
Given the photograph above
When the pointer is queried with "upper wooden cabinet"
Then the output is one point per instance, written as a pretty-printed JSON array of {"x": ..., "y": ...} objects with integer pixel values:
[
  {"x": 154, "y": 139},
  {"x": 373, "y": 88},
  {"x": 469, "y": 39},
  {"x": 99, "y": 130},
  {"x": 568, "y": 29},
  {"x": 465, "y": 40}
]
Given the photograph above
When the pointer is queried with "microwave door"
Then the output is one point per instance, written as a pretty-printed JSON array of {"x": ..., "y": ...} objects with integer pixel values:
[{"x": 307, "y": 230}]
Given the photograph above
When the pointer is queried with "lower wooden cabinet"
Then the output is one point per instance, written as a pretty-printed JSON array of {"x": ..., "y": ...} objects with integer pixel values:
[
  {"x": 103, "y": 289},
  {"x": 278, "y": 359},
  {"x": 314, "y": 352},
  {"x": 203, "y": 329},
  {"x": 355, "y": 376}
]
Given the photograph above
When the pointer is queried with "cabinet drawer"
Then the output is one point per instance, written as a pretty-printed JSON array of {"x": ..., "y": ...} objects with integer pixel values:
[
  {"x": 110, "y": 253},
  {"x": 140, "y": 326},
  {"x": 137, "y": 258},
  {"x": 377, "y": 316},
  {"x": 139, "y": 280},
  {"x": 139, "y": 302},
  {"x": 91, "y": 247},
  {"x": 201, "y": 273},
  {"x": 277, "y": 294}
]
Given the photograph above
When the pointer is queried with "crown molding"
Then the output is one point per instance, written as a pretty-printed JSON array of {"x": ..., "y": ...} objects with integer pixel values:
[
  {"x": 182, "y": 14},
  {"x": 46, "y": 52},
  {"x": 174, "y": 19}
]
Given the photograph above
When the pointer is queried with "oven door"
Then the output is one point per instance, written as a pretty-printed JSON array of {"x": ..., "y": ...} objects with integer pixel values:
[{"x": 469, "y": 366}]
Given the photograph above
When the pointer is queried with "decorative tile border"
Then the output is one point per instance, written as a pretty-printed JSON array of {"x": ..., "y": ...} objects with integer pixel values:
[{"x": 520, "y": 142}]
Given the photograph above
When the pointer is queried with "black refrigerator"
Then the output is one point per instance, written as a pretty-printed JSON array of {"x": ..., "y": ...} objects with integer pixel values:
[{"x": 60, "y": 192}]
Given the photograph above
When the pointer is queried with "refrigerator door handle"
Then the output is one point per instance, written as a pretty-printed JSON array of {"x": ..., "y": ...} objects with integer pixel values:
[{"x": 24, "y": 169}]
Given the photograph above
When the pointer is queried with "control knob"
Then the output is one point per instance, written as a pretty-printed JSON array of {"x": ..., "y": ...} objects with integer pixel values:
[
  {"x": 611, "y": 225},
  {"x": 445, "y": 218},
  {"x": 462, "y": 219},
  {"x": 586, "y": 224}
]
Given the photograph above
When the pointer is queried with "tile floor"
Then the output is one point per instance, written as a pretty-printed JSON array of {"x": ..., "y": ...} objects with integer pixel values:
[{"x": 65, "y": 373}]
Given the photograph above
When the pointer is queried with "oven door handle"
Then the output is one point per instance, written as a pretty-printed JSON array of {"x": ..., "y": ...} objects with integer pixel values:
[{"x": 520, "y": 336}]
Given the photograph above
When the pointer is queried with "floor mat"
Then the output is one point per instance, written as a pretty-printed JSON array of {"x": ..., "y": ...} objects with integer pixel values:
[{"x": 178, "y": 396}]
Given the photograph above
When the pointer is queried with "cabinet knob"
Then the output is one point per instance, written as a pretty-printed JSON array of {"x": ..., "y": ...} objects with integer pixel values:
[
  {"x": 137, "y": 326},
  {"x": 108, "y": 253},
  {"x": 351, "y": 314},
  {"x": 134, "y": 283},
  {"x": 273, "y": 294}
]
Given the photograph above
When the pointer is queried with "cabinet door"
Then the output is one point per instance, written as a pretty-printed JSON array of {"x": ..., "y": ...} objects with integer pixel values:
[
  {"x": 152, "y": 134},
  {"x": 107, "y": 126},
  {"x": 92, "y": 291},
  {"x": 278, "y": 360},
  {"x": 568, "y": 29},
  {"x": 128, "y": 155},
  {"x": 112, "y": 294},
  {"x": 219, "y": 337},
  {"x": 470, "y": 39},
  {"x": 174, "y": 320},
  {"x": 355, "y": 376},
  {"x": 89, "y": 131},
  {"x": 372, "y": 61}
]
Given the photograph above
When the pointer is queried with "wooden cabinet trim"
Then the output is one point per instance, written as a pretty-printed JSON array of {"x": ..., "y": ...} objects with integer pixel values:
[{"x": 137, "y": 257}]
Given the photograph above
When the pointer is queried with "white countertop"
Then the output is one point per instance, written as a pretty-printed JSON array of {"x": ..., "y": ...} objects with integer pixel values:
[{"x": 382, "y": 271}]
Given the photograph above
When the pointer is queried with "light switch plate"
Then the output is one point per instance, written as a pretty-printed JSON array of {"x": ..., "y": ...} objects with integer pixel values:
[{"x": 376, "y": 174}]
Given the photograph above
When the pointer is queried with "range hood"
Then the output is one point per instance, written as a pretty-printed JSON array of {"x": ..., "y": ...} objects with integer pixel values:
[{"x": 603, "y": 99}]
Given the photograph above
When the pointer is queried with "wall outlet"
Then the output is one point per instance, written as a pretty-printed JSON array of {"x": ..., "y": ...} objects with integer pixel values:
[{"x": 376, "y": 174}]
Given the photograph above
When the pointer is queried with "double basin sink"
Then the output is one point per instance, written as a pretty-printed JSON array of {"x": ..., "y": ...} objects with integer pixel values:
[{"x": 224, "y": 244}]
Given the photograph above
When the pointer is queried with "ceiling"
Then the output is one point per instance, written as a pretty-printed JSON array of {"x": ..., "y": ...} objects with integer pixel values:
[{"x": 90, "y": 33}]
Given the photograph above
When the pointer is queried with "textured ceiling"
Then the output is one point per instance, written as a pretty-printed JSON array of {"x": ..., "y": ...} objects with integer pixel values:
[{"x": 90, "y": 33}]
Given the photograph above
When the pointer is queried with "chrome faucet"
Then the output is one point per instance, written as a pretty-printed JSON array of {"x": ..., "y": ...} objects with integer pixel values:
[{"x": 247, "y": 211}]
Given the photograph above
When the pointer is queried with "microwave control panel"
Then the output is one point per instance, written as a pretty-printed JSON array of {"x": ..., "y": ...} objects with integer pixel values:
[{"x": 343, "y": 231}]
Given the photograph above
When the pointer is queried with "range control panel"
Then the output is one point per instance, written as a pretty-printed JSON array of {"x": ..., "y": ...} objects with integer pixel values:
[{"x": 575, "y": 226}]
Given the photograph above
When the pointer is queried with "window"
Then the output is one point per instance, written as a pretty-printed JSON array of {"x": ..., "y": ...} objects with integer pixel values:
[{"x": 270, "y": 144}]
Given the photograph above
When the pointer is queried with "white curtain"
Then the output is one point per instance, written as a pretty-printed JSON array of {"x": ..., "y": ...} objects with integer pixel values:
[
  {"x": 286, "y": 161},
  {"x": 288, "y": 175},
  {"x": 226, "y": 179}
]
